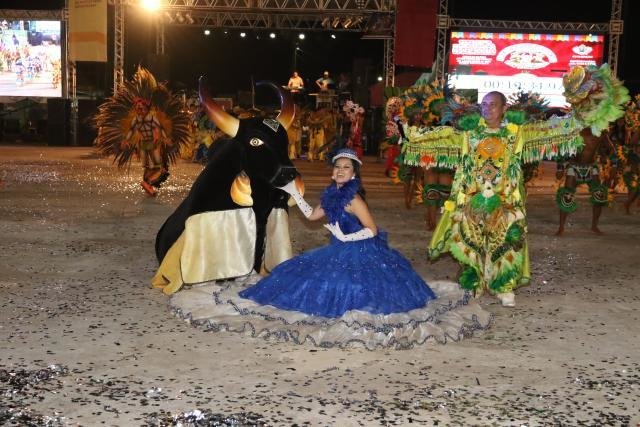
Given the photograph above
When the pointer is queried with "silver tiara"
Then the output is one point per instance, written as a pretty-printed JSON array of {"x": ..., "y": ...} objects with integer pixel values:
[{"x": 347, "y": 155}]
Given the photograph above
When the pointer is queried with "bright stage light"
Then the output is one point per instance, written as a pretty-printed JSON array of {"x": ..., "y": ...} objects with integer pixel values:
[
  {"x": 243, "y": 34},
  {"x": 272, "y": 35},
  {"x": 301, "y": 36},
  {"x": 333, "y": 36},
  {"x": 151, "y": 5},
  {"x": 207, "y": 32},
  {"x": 379, "y": 78}
]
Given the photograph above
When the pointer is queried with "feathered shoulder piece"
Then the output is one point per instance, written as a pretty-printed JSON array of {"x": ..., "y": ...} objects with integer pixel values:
[
  {"x": 425, "y": 99},
  {"x": 456, "y": 108},
  {"x": 116, "y": 115},
  {"x": 597, "y": 97},
  {"x": 334, "y": 199},
  {"x": 526, "y": 107}
]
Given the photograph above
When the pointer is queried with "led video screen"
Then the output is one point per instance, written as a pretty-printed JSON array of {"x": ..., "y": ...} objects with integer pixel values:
[
  {"x": 514, "y": 62},
  {"x": 30, "y": 59}
]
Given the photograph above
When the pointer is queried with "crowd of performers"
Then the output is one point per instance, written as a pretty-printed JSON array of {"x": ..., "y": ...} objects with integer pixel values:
[
  {"x": 467, "y": 162},
  {"x": 490, "y": 151},
  {"x": 136, "y": 123},
  {"x": 30, "y": 63}
]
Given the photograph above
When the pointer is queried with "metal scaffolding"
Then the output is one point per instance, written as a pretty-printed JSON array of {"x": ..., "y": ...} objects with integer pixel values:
[
  {"x": 442, "y": 25},
  {"x": 616, "y": 26},
  {"x": 375, "y": 19},
  {"x": 118, "y": 44}
]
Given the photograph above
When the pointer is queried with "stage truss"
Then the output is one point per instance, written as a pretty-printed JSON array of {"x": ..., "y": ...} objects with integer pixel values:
[{"x": 375, "y": 19}]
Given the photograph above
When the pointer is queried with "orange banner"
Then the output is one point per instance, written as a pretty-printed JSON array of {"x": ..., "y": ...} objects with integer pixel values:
[{"x": 88, "y": 30}]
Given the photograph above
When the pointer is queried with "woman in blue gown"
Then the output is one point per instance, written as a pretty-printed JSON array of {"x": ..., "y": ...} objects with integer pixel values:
[
  {"x": 356, "y": 271},
  {"x": 356, "y": 291}
]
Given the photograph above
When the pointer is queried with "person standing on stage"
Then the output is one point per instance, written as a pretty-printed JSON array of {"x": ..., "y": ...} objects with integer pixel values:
[
  {"x": 296, "y": 87},
  {"x": 325, "y": 82},
  {"x": 296, "y": 84}
]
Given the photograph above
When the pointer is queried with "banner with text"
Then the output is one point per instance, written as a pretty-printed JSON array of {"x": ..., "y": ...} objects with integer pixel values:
[
  {"x": 514, "y": 62},
  {"x": 88, "y": 30}
]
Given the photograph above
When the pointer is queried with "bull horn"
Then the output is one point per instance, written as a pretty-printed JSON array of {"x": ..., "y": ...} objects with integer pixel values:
[
  {"x": 223, "y": 120},
  {"x": 287, "y": 106}
]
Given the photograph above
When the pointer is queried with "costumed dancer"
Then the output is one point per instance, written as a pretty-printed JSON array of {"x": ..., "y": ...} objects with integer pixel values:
[
  {"x": 391, "y": 144},
  {"x": 354, "y": 291},
  {"x": 317, "y": 140},
  {"x": 582, "y": 168},
  {"x": 483, "y": 225},
  {"x": 145, "y": 119},
  {"x": 534, "y": 107},
  {"x": 355, "y": 116},
  {"x": 234, "y": 219},
  {"x": 425, "y": 105},
  {"x": 631, "y": 175},
  {"x": 55, "y": 73},
  {"x": 294, "y": 133}
]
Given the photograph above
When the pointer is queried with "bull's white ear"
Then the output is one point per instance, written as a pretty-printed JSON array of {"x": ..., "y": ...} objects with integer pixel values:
[{"x": 241, "y": 190}]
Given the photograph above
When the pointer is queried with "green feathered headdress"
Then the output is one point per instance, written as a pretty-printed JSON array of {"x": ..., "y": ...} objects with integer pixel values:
[{"x": 597, "y": 97}]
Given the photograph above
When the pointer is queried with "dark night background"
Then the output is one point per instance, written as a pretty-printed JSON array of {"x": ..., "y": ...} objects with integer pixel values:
[{"x": 231, "y": 62}]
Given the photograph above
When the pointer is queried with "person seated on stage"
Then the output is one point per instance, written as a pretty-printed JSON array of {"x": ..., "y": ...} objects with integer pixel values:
[
  {"x": 296, "y": 84},
  {"x": 325, "y": 83}
]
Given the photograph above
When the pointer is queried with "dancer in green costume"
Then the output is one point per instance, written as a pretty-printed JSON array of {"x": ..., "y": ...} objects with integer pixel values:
[{"x": 484, "y": 220}]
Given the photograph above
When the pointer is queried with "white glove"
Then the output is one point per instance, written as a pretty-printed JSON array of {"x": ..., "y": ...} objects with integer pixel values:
[
  {"x": 291, "y": 189},
  {"x": 363, "y": 234}
]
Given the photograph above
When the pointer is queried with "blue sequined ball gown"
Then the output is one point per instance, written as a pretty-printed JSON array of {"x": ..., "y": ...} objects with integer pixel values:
[
  {"x": 360, "y": 293},
  {"x": 364, "y": 275}
]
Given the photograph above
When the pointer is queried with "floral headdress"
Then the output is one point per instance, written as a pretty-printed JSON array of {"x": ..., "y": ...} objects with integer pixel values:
[
  {"x": 425, "y": 99},
  {"x": 352, "y": 109}
]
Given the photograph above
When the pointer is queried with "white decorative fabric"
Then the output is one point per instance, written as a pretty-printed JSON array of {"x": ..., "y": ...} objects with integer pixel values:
[
  {"x": 218, "y": 307},
  {"x": 277, "y": 241},
  {"x": 230, "y": 254}
]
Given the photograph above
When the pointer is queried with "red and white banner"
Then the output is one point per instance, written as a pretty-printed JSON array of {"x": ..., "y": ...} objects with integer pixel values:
[{"x": 513, "y": 62}]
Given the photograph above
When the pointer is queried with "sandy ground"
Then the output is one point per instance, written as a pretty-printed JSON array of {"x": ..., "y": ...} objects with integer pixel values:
[{"x": 86, "y": 341}]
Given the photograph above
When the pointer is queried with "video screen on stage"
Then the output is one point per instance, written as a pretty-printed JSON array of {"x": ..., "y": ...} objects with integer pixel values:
[
  {"x": 30, "y": 59},
  {"x": 515, "y": 62}
]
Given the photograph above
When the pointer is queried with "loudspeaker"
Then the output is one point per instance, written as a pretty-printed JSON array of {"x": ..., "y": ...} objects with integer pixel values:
[
  {"x": 87, "y": 109},
  {"x": 58, "y": 117},
  {"x": 159, "y": 65},
  {"x": 363, "y": 77}
]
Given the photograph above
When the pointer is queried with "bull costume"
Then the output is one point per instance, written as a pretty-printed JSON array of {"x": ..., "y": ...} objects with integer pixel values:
[
  {"x": 483, "y": 224},
  {"x": 234, "y": 220},
  {"x": 143, "y": 119},
  {"x": 355, "y": 291}
]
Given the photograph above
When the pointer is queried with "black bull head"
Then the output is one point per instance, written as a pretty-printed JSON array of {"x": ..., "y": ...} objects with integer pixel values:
[{"x": 243, "y": 171}]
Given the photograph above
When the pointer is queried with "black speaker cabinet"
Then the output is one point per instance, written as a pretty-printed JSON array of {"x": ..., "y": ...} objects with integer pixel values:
[
  {"x": 58, "y": 118},
  {"x": 87, "y": 109}
]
